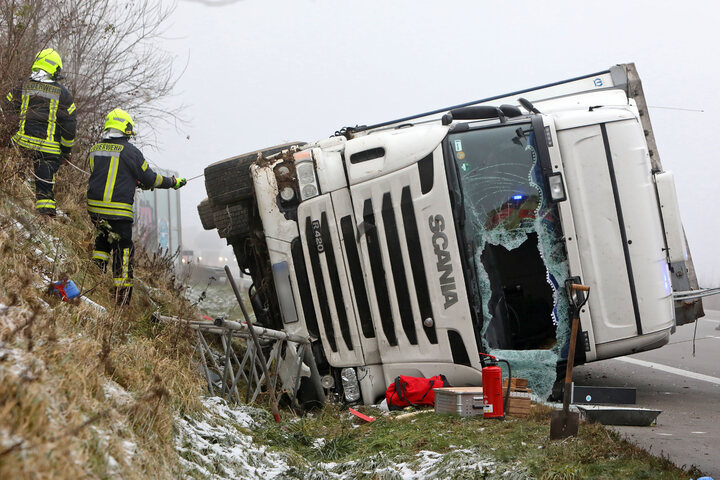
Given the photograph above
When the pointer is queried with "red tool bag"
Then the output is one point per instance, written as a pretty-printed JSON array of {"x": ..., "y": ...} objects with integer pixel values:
[{"x": 413, "y": 391}]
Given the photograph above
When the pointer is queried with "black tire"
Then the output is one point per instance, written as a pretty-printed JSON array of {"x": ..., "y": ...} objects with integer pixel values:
[
  {"x": 238, "y": 245},
  {"x": 228, "y": 181},
  {"x": 205, "y": 210},
  {"x": 232, "y": 220},
  {"x": 307, "y": 398}
]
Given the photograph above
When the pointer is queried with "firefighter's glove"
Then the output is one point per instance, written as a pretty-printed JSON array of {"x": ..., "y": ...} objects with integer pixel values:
[
  {"x": 179, "y": 182},
  {"x": 67, "y": 158}
]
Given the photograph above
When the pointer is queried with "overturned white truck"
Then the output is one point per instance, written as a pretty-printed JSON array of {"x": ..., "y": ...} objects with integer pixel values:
[{"x": 410, "y": 246}]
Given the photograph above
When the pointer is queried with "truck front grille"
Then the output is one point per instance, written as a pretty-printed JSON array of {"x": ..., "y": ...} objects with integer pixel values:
[
  {"x": 320, "y": 287},
  {"x": 335, "y": 282},
  {"x": 398, "y": 269},
  {"x": 416, "y": 262},
  {"x": 357, "y": 276},
  {"x": 368, "y": 254},
  {"x": 378, "y": 274},
  {"x": 304, "y": 288}
]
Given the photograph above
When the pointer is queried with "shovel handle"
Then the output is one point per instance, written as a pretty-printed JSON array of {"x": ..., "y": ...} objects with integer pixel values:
[{"x": 570, "y": 363}]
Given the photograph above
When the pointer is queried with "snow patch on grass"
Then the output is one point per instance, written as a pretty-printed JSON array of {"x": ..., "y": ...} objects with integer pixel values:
[
  {"x": 115, "y": 392},
  {"x": 463, "y": 463},
  {"x": 218, "y": 444},
  {"x": 214, "y": 445},
  {"x": 19, "y": 365}
]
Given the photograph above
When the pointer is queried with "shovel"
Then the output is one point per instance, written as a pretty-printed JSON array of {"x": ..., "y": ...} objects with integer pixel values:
[{"x": 564, "y": 423}]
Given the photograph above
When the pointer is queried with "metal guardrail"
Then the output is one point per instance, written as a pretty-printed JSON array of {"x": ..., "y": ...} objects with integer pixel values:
[
  {"x": 693, "y": 294},
  {"x": 224, "y": 372},
  {"x": 234, "y": 369}
]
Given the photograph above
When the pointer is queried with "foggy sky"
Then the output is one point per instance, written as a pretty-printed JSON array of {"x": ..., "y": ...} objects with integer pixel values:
[{"x": 261, "y": 72}]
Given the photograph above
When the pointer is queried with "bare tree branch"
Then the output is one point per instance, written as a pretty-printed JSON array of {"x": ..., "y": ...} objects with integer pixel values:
[
  {"x": 215, "y": 3},
  {"x": 110, "y": 57}
]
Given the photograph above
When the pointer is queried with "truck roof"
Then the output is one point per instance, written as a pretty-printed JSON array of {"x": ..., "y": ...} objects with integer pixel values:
[{"x": 615, "y": 77}]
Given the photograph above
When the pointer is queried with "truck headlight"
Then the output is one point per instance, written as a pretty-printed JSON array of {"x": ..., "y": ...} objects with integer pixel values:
[
  {"x": 285, "y": 178},
  {"x": 305, "y": 171},
  {"x": 557, "y": 187},
  {"x": 287, "y": 194},
  {"x": 309, "y": 191},
  {"x": 327, "y": 382},
  {"x": 351, "y": 386}
]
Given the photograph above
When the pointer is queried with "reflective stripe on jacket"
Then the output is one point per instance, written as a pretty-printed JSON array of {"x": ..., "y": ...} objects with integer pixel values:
[
  {"x": 116, "y": 167},
  {"x": 46, "y": 116}
]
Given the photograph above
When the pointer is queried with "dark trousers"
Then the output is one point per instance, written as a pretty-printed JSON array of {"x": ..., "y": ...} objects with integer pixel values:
[
  {"x": 45, "y": 166},
  {"x": 114, "y": 240}
]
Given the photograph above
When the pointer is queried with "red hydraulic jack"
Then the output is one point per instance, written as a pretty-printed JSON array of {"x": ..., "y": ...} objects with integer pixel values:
[{"x": 493, "y": 404}]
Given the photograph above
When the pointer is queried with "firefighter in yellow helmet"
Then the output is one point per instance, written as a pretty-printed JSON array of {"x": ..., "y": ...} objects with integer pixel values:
[
  {"x": 45, "y": 113},
  {"x": 117, "y": 167}
]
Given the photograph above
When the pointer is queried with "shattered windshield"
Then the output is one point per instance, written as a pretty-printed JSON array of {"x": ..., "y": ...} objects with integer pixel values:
[{"x": 514, "y": 242}]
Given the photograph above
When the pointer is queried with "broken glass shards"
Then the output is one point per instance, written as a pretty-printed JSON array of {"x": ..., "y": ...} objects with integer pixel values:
[{"x": 517, "y": 248}]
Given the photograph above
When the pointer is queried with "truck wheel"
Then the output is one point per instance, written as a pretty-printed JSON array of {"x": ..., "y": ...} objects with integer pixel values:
[
  {"x": 232, "y": 220},
  {"x": 229, "y": 181},
  {"x": 238, "y": 245},
  {"x": 307, "y": 398},
  {"x": 205, "y": 210}
]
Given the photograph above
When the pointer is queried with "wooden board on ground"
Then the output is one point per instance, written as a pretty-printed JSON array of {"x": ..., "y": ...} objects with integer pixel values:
[{"x": 516, "y": 383}]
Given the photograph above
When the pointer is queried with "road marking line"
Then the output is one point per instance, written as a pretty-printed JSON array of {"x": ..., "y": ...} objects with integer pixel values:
[
  {"x": 713, "y": 336},
  {"x": 698, "y": 432},
  {"x": 666, "y": 434},
  {"x": 676, "y": 371}
]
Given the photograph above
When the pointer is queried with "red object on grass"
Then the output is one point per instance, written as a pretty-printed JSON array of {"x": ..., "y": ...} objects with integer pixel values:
[
  {"x": 361, "y": 416},
  {"x": 413, "y": 391},
  {"x": 60, "y": 289}
]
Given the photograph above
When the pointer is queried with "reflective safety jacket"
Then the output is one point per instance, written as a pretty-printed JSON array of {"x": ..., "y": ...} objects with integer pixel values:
[
  {"x": 116, "y": 167},
  {"x": 46, "y": 114}
]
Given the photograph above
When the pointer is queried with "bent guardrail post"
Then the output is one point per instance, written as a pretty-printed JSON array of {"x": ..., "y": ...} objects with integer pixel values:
[
  {"x": 273, "y": 399},
  {"x": 206, "y": 370}
]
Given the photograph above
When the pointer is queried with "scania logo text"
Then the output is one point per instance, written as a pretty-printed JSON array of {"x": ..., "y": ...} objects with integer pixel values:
[{"x": 444, "y": 262}]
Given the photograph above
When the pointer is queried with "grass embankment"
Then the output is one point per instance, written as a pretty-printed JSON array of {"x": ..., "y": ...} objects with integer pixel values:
[{"x": 85, "y": 391}]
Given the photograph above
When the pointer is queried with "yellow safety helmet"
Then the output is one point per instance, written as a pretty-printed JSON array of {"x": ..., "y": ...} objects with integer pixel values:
[
  {"x": 48, "y": 60},
  {"x": 120, "y": 120}
]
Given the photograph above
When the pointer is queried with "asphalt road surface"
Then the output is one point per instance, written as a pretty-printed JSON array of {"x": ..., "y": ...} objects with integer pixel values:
[{"x": 685, "y": 388}]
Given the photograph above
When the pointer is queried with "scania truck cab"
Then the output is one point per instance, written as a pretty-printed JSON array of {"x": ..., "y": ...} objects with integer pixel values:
[{"x": 409, "y": 247}]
